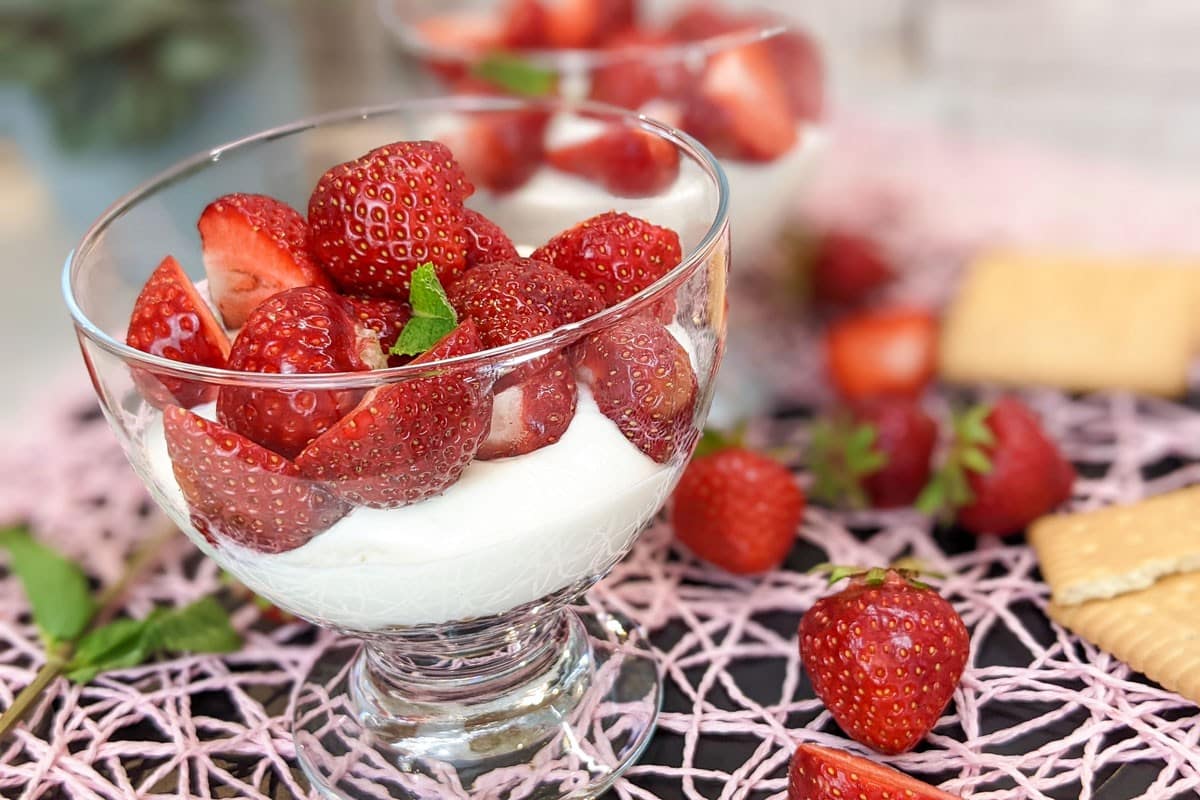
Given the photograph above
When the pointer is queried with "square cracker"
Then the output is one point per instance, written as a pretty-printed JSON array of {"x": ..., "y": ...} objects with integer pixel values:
[
  {"x": 1075, "y": 323},
  {"x": 1156, "y": 631},
  {"x": 1110, "y": 551}
]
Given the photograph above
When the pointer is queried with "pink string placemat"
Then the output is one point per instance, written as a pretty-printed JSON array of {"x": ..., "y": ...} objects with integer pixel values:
[{"x": 1039, "y": 714}]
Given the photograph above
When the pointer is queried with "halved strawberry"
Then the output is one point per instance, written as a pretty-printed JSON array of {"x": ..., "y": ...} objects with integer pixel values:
[
  {"x": 372, "y": 221},
  {"x": 254, "y": 246},
  {"x": 626, "y": 161},
  {"x": 636, "y": 72},
  {"x": 703, "y": 20},
  {"x": 585, "y": 23},
  {"x": 408, "y": 440},
  {"x": 822, "y": 773},
  {"x": 524, "y": 24},
  {"x": 387, "y": 318},
  {"x": 642, "y": 379},
  {"x": 242, "y": 492},
  {"x": 171, "y": 320},
  {"x": 618, "y": 254},
  {"x": 486, "y": 241},
  {"x": 304, "y": 331},
  {"x": 465, "y": 33},
  {"x": 880, "y": 352},
  {"x": 499, "y": 150},
  {"x": 534, "y": 413}
]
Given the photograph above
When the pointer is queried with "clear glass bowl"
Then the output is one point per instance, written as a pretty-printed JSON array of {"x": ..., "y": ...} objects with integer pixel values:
[
  {"x": 475, "y": 670},
  {"x": 765, "y": 186}
]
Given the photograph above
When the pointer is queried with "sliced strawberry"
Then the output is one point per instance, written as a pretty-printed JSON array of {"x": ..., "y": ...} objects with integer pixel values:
[
  {"x": 524, "y": 24},
  {"x": 885, "y": 351},
  {"x": 254, "y": 247},
  {"x": 486, "y": 241},
  {"x": 626, "y": 161},
  {"x": 618, "y": 254},
  {"x": 387, "y": 318},
  {"x": 740, "y": 108},
  {"x": 464, "y": 33},
  {"x": 534, "y": 413},
  {"x": 375, "y": 219},
  {"x": 304, "y": 331},
  {"x": 171, "y": 320},
  {"x": 241, "y": 492},
  {"x": 407, "y": 440},
  {"x": 822, "y": 773},
  {"x": 585, "y": 23},
  {"x": 635, "y": 72},
  {"x": 500, "y": 150},
  {"x": 798, "y": 61},
  {"x": 700, "y": 21},
  {"x": 643, "y": 381}
]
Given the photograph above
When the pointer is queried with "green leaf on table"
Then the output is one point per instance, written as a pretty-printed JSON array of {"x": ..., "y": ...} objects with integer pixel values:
[
  {"x": 432, "y": 315},
  {"x": 120, "y": 643},
  {"x": 515, "y": 75},
  {"x": 56, "y": 587},
  {"x": 201, "y": 627}
]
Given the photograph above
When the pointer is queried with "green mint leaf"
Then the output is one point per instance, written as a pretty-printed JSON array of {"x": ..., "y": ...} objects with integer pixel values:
[
  {"x": 433, "y": 316},
  {"x": 976, "y": 460},
  {"x": 201, "y": 627},
  {"x": 56, "y": 587},
  {"x": 120, "y": 643},
  {"x": 515, "y": 75}
]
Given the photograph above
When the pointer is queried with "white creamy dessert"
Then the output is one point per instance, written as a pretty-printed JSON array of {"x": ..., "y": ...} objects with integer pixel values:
[{"x": 508, "y": 532}]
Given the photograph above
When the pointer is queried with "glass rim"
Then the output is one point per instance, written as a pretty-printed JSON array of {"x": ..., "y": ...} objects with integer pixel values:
[
  {"x": 549, "y": 341},
  {"x": 568, "y": 59}
]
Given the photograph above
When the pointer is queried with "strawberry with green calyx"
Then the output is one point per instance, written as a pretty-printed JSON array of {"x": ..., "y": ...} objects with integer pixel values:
[
  {"x": 736, "y": 508},
  {"x": 1001, "y": 473},
  {"x": 885, "y": 655},
  {"x": 875, "y": 453}
]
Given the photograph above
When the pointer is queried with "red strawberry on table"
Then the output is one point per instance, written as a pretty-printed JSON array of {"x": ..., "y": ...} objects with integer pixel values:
[
  {"x": 618, "y": 254},
  {"x": 486, "y": 241},
  {"x": 846, "y": 268},
  {"x": 1002, "y": 472},
  {"x": 374, "y": 220},
  {"x": 171, "y": 320},
  {"x": 408, "y": 440},
  {"x": 876, "y": 453},
  {"x": 822, "y": 773},
  {"x": 304, "y": 331},
  {"x": 883, "y": 351},
  {"x": 242, "y": 492},
  {"x": 737, "y": 509},
  {"x": 386, "y": 318},
  {"x": 627, "y": 161},
  {"x": 642, "y": 380},
  {"x": 254, "y": 246},
  {"x": 885, "y": 655}
]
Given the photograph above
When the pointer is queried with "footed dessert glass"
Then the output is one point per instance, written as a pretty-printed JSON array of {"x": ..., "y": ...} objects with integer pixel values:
[{"x": 470, "y": 670}]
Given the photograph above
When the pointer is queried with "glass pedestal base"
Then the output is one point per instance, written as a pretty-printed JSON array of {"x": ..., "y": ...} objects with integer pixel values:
[{"x": 573, "y": 713}]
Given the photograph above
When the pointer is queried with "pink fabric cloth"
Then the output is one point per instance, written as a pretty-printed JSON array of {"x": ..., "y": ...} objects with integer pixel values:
[{"x": 68, "y": 478}]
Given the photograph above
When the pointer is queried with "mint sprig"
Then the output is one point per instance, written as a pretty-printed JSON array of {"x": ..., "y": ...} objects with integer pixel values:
[
  {"x": 949, "y": 489},
  {"x": 841, "y": 453},
  {"x": 65, "y": 611},
  {"x": 432, "y": 315},
  {"x": 515, "y": 75}
]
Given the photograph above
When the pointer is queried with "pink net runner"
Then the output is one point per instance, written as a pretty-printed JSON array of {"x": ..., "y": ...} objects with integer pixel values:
[{"x": 1039, "y": 714}]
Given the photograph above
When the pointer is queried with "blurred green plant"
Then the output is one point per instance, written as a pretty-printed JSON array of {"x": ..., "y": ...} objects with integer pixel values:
[{"x": 119, "y": 72}]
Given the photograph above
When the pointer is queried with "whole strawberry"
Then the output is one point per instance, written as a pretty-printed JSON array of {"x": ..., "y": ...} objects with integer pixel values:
[
  {"x": 846, "y": 268},
  {"x": 486, "y": 241},
  {"x": 822, "y": 773},
  {"x": 737, "y": 509},
  {"x": 882, "y": 351},
  {"x": 374, "y": 220},
  {"x": 1002, "y": 472},
  {"x": 885, "y": 655},
  {"x": 618, "y": 254},
  {"x": 874, "y": 453}
]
